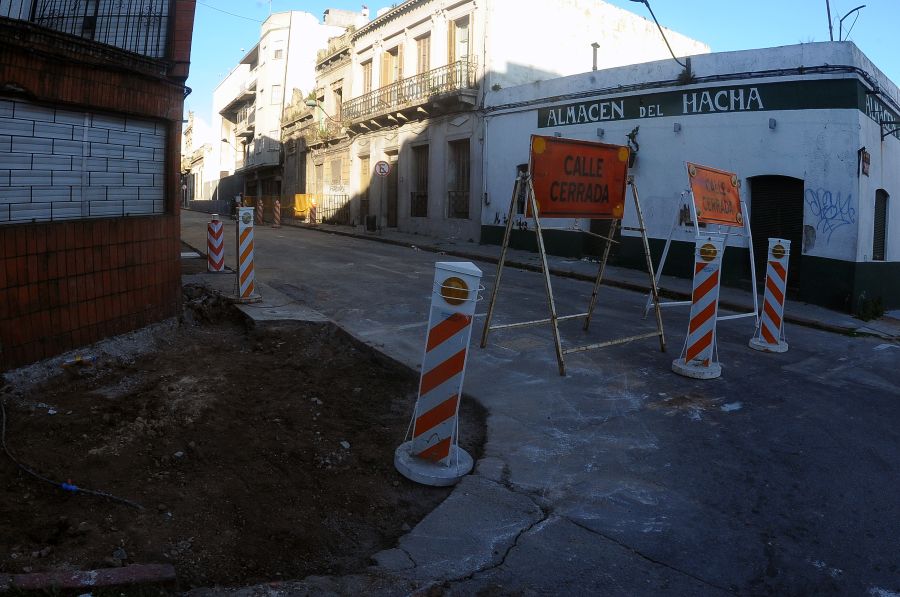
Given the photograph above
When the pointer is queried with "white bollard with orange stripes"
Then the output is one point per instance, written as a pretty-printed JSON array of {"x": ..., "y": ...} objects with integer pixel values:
[
  {"x": 215, "y": 245},
  {"x": 433, "y": 456},
  {"x": 770, "y": 333},
  {"x": 260, "y": 207},
  {"x": 245, "y": 285},
  {"x": 699, "y": 357},
  {"x": 276, "y": 214}
]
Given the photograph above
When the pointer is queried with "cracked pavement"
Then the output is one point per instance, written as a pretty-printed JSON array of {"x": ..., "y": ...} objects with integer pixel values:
[{"x": 622, "y": 478}]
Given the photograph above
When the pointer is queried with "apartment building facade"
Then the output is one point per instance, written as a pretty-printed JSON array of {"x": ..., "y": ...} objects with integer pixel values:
[
  {"x": 248, "y": 104},
  {"x": 91, "y": 99},
  {"x": 412, "y": 93}
]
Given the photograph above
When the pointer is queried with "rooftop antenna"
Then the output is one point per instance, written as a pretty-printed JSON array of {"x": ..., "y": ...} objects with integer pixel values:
[
  {"x": 841, "y": 22},
  {"x": 830, "y": 26}
]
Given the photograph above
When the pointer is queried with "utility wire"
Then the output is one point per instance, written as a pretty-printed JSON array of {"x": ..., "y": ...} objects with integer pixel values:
[
  {"x": 68, "y": 486},
  {"x": 228, "y": 13}
]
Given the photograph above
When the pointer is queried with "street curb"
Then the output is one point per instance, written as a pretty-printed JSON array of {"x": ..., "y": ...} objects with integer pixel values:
[
  {"x": 672, "y": 294},
  {"x": 135, "y": 574}
]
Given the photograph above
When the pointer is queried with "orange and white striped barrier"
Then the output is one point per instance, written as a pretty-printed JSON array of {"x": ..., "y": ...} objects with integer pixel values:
[
  {"x": 215, "y": 245},
  {"x": 770, "y": 333},
  {"x": 259, "y": 210},
  {"x": 698, "y": 357},
  {"x": 246, "y": 288},
  {"x": 276, "y": 214},
  {"x": 433, "y": 456}
]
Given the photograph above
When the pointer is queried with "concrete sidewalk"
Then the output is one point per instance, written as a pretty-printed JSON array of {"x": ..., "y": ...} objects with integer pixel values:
[{"x": 621, "y": 478}]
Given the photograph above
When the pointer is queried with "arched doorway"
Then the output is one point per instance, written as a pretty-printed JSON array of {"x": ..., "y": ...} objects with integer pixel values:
[{"x": 776, "y": 211}]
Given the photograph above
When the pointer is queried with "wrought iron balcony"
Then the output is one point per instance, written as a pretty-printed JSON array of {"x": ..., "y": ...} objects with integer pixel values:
[
  {"x": 412, "y": 91},
  {"x": 138, "y": 26}
]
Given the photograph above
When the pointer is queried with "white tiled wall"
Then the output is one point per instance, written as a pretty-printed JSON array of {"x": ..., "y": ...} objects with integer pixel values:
[{"x": 59, "y": 164}]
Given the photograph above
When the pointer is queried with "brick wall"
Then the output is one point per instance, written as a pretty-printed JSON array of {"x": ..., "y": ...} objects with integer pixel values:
[
  {"x": 87, "y": 126},
  {"x": 67, "y": 284}
]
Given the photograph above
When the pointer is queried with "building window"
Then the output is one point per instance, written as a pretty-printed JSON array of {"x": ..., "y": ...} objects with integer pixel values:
[
  {"x": 458, "y": 180},
  {"x": 277, "y": 95},
  {"x": 391, "y": 66},
  {"x": 458, "y": 40},
  {"x": 279, "y": 54},
  {"x": 367, "y": 76},
  {"x": 418, "y": 199},
  {"x": 423, "y": 54},
  {"x": 879, "y": 242}
]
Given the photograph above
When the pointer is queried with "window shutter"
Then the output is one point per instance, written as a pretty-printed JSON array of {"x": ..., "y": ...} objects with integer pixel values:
[
  {"x": 451, "y": 42},
  {"x": 879, "y": 241}
]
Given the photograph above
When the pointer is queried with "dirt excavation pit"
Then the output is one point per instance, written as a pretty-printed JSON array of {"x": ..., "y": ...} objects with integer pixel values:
[{"x": 258, "y": 454}]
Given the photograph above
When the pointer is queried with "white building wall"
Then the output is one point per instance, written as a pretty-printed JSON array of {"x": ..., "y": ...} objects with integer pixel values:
[
  {"x": 818, "y": 146},
  {"x": 525, "y": 45}
]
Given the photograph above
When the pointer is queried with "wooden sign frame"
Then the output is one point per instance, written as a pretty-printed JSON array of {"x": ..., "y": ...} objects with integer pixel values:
[{"x": 524, "y": 178}]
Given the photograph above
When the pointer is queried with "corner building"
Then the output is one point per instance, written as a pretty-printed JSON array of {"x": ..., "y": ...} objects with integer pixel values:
[{"x": 90, "y": 128}]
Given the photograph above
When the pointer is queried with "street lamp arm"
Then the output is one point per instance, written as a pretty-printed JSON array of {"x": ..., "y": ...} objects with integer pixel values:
[{"x": 661, "y": 32}]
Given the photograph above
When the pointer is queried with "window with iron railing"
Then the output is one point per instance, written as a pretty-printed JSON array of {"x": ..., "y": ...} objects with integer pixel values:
[{"x": 139, "y": 26}]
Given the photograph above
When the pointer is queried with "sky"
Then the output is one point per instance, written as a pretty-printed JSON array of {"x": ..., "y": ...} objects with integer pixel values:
[{"x": 221, "y": 39}]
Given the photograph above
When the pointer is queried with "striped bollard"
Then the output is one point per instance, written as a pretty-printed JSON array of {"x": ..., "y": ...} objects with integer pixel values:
[
  {"x": 698, "y": 357},
  {"x": 276, "y": 211},
  {"x": 246, "y": 288},
  {"x": 259, "y": 210},
  {"x": 433, "y": 456},
  {"x": 215, "y": 245},
  {"x": 770, "y": 333}
]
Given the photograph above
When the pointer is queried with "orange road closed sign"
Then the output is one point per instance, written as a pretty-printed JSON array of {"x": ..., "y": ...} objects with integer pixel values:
[
  {"x": 578, "y": 179},
  {"x": 717, "y": 197}
]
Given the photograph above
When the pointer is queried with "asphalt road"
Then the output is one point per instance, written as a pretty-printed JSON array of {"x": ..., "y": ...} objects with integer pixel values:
[{"x": 781, "y": 477}]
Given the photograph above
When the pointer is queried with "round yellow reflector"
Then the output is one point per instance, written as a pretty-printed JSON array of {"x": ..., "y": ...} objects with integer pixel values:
[
  {"x": 623, "y": 154},
  {"x": 246, "y": 218},
  {"x": 708, "y": 252},
  {"x": 692, "y": 170},
  {"x": 617, "y": 210},
  {"x": 778, "y": 251},
  {"x": 455, "y": 290},
  {"x": 739, "y": 218},
  {"x": 734, "y": 180},
  {"x": 539, "y": 145}
]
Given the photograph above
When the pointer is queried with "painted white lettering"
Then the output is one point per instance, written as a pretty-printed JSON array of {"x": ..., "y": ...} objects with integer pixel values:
[
  {"x": 736, "y": 97},
  {"x": 618, "y": 109},
  {"x": 690, "y": 103},
  {"x": 570, "y": 116},
  {"x": 604, "y": 111},
  {"x": 723, "y": 106},
  {"x": 582, "y": 114},
  {"x": 643, "y": 112},
  {"x": 706, "y": 100},
  {"x": 594, "y": 112},
  {"x": 754, "y": 94},
  {"x": 551, "y": 118}
]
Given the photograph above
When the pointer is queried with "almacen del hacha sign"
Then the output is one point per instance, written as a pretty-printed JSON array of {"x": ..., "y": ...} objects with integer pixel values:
[{"x": 792, "y": 95}]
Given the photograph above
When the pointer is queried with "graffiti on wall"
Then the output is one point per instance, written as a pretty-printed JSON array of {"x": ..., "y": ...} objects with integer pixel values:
[{"x": 831, "y": 210}]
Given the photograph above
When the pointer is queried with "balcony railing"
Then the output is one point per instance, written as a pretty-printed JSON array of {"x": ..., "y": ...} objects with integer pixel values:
[
  {"x": 139, "y": 26},
  {"x": 412, "y": 90},
  {"x": 316, "y": 132}
]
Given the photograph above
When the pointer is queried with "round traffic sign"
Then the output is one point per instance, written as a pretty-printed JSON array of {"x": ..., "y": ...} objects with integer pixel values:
[{"x": 382, "y": 168}]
